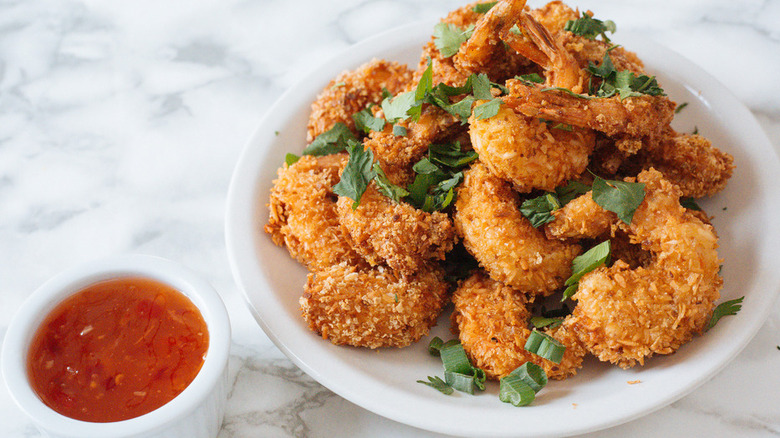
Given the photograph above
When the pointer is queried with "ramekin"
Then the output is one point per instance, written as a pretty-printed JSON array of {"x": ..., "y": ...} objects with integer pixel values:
[{"x": 196, "y": 412}]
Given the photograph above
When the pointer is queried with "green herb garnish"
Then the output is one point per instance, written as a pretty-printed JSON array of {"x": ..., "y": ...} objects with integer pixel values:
[
  {"x": 545, "y": 346},
  {"x": 366, "y": 122},
  {"x": 399, "y": 131},
  {"x": 481, "y": 8},
  {"x": 589, "y": 27},
  {"x": 619, "y": 197},
  {"x": 539, "y": 210},
  {"x": 680, "y": 107},
  {"x": 623, "y": 83},
  {"x": 448, "y": 38},
  {"x": 438, "y": 384},
  {"x": 487, "y": 109},
  {"x": 291, "y": 159},
  {"x": 451, "y": 155},
  {"x": 331, "y": 141},
  {"x": 726, "y": 308},
  {"x": 690, "y": 203},
  {"x": 570, "y": 191},
  {"x": 387, "y": 188},
  {"x": 542, "y": 322},
  {"x": 584, "y": 263},
  {"x": 357, "y": 174}
]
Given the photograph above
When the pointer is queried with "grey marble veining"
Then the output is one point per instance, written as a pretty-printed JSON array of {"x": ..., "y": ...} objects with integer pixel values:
[{"x": 120, "y": 124}]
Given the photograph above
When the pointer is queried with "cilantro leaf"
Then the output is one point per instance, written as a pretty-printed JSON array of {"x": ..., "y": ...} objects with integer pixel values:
[
  {"x": 530, "y": 78},
  {"x": 488, "y": 109},
  {"x": 399, "y": 131},
  {"x": 331, "y": 141},
  {"x": 448, "y": 38},
  {"x": 623, "y": 82},
  {"x": 539, "y": 210},
  {"x": 619, "y": 197},
  {"x": 366, "y": 122},
  {"x": 542, "y": 322},
  {"x": 386, "y": 187},
  {"x": 357, "y": 174},
  {"x": 584, "y": 263},
  {"x": 480, "y": 86},
  {"x": 451, "y": 155},
  {"x": 481, "y": 8},
  {"x": 589, "y": 27},
  {"x": 726, "y": 308},
  {"x": 291, "y": 159},
  {"x": 690, "y": 203},
  {"x": 438, "y": 384},
  {"x": 397, "y": 108}
]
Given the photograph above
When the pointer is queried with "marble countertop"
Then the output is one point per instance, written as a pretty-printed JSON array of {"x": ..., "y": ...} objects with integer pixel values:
[{"x": 120, "y": 124}]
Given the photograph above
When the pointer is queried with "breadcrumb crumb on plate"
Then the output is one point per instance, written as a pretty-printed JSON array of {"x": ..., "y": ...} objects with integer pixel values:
[{"x": 384, "y": 381}]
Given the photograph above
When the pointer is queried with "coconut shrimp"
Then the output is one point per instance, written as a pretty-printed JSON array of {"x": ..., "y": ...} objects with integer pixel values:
[
  {"x": 396, "y": 234},
  {"x": 491, "y": 320},
  {"x": 503, "y": 241},
  {"x": 353, "y": 91},
  {"x": 372, "y": 307},
  {"x": 528, "y": 152},
  {"x": 303, "y": 215},
  {"x": 625, "y": 315}
]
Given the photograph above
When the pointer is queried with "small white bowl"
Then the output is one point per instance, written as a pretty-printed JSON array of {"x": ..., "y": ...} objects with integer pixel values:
[{"x": 196, "y": 412}]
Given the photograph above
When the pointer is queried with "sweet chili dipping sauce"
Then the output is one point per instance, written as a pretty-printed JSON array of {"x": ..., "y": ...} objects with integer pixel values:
[{"x": 117, "y": 349}]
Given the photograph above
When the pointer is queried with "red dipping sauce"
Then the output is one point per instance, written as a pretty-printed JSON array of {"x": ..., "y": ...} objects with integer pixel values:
[{"x": 117, "y": 349}]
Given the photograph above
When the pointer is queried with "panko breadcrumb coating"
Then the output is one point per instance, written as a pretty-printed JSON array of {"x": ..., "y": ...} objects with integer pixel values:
[
  {"x": 504, "y": 242},
  {"x": 303, "y": 214},
  {"x": 625, "y": 315},
  {"x": 396, "y": 234},
  {"x": 492, "y": 324},
  {"x": 528, "y": 152},
  {"x": 372, "y": 307},
  {"x": 353, "y": 91},
  {"x": 581, "y": 218}
]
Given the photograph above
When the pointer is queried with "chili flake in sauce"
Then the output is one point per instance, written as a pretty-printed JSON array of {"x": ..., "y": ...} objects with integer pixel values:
[{"x": 117, "y": 349}]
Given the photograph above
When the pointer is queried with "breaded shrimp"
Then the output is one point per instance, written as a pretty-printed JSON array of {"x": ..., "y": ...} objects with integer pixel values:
[
  {"x": 303, "y": 214},
  {"x": 491, "y": 320},
  {"x": 352, "y": 91},
  {"x": 625, "y": 315},
  {"x": 504, "y": 242},
  {"x": 372, "y": 307},
  {"x": 692, "y": 163},
  {"x": 529, "y": 152},
  {"x": 396, "y": 234},
  {"x": 581, "y": 218}
]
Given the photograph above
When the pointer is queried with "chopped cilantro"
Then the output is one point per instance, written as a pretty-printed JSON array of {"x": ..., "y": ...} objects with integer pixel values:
[
  {"x": 584, "y": 263},
  {"x": 357, "y": 174},
  {"x": 338, "y": 85},
  {"x": 481, "y": 8},
  {"x": 399, "y": 131},
  {"x": 690, "y": 203},
  {"x": 331, "y": 141},
  {"x": 619, "y": 197},
  {"x": 680, "y": 107},
  {"x": 386, "y": 187},
  {"x": 487, "y": 109},
  {"x": 448, "y": 38},
  {"x": 570, "y": 191},
  {"x": 291, "y": 159},
  {"x": 623, "y": 83},
  {"x": 398, "y": 107},
  {"x": 539, "y": 210},
  {"x": 366, "y": 122},
  {"x": 451, "y": 155},
  {"x": 726, "y": 308},
  {"x": 589, "y": 27},
  {"x": 532, "y": 78}
]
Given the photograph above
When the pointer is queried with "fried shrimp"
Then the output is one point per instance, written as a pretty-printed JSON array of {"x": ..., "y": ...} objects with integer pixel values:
[
  {"x": 529, "y": 152},
  {"x": 372, "y": 307},
  {"x": 492, "y": 323},
  {"x": 352, "y": 91},
  {"x": 396, "y": 234},
  {"x": 692, "y": 163},
  {"x": 581, "y": 218},
  {"x": 303, "y": 214},
  {"x": 626, "y": 315},
  {"x": 504, "y": 242}
]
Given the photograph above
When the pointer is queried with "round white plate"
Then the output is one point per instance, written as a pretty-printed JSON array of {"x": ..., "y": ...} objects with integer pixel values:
[{"x": 600, "y": 396}]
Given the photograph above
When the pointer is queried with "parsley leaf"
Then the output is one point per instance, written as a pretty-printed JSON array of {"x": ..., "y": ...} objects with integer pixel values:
[
  {"x": 584, "y": 263},
  {"x": 481, "y": 8},
  {"x": 726, "y": 308},
  {"x": 589, "y": 27},
  {"x": 438, "y": 384},
  {"x": 619, "y": 197},
  {"x": 366, "y": 122},
  {"x": 623, "y": 82},
  {"x": 488, "y": 109},
  {"x": 448, "y": 38},
  {"x": 357, "y": 174},
  {"x": 539, "y": 210},
  {"x": 331, "y": 141},
  {"x": 386, "y": 187}
]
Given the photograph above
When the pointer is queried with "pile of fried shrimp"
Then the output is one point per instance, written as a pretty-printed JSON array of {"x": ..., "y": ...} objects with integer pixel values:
[{"x": 379, "y": 272}]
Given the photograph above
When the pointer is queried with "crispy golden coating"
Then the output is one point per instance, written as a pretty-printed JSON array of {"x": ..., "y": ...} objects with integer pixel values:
[
  {"x": 635, "y": 117},
  {"x": 352, "y": 91},
  {"x": 625, "y": 315},
  {"x": 554, "y": 15},
  {"x": 581, "y": 218},
  {"x": 396, "y": 234},
  {"x": 372, "y": 307},
  {"x": 303, "y": 214},
  {"x": 491, "y": 320},
  {"x": 528, "y": 152},
  {"x": 692, "y": 163},
  {"x": 503, "y": 240}
]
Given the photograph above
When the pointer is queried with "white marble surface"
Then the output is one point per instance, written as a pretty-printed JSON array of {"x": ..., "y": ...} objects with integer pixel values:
[{"x": 120, "y": 123}]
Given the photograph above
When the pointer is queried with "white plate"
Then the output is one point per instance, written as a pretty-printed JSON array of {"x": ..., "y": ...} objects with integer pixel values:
[{"x": 599, "y": 396}]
